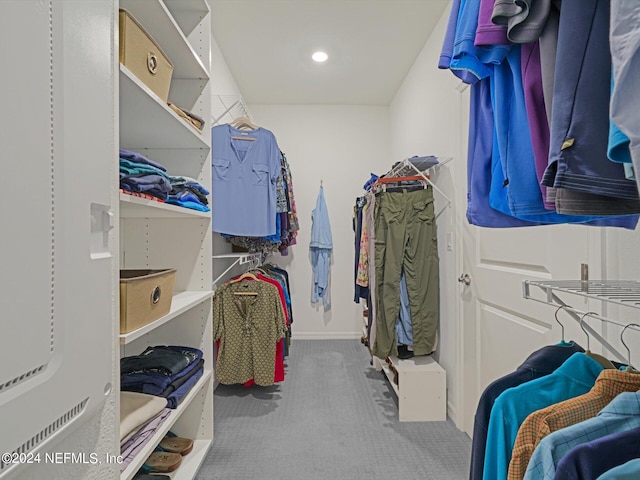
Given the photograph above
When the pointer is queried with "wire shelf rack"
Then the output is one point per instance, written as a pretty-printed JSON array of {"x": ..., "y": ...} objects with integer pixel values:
[{"x": 620, "y": 292}]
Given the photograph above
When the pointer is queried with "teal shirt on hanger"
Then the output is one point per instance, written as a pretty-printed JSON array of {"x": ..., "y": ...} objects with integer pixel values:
[{"x": 574, "y": 377}]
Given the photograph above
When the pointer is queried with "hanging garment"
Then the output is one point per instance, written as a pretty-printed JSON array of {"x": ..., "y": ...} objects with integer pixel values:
[
  {"x": 489, "y": 33},
  {"x": 525, "y": 19},
  {"x": 541, "y": 423},
  {"x": 623, "y": 413},
  {"x": 580, "y": 112},
  {"x": 539, "y": 364},
  {"x": 248, "y": 327},
  {"x": 404, "y": 330},
  {"x": 574, "y": 377},
  {"x": 466, "y": 56},
  {"x": 592, "y": 459},
  {"x": 371, "y": 301},
  {"x": 321, "y": 246},
  {"x": 244, "y": 175},
  {"x": 625, "y": 56},
  {"x": 447, "y": 46},
  {"x": 405, "y": 237},
  {"x": 626, "y": 471},
  {"x": 361, "y": 291}
]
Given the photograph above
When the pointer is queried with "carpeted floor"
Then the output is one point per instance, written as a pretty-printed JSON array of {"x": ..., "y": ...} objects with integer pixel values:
[{"x": 334, "y": 417}]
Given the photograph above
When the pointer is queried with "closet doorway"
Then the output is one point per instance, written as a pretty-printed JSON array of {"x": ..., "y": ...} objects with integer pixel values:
[{"x": 498, "y": 327}]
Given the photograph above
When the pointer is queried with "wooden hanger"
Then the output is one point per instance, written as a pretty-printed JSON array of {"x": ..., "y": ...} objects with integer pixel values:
[
  {"x": 243, "y": 123},
  {"x": 244, "y": 276}
]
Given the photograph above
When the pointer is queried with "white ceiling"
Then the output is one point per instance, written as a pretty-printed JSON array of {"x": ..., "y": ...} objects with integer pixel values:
[{"x": 371, "y": 45}]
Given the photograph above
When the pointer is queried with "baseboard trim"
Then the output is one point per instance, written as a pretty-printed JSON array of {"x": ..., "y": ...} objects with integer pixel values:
[{"x": 325, "y": 335}]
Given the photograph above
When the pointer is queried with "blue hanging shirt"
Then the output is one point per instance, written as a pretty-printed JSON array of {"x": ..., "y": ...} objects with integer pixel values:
[{"x": 321, "y": 246}]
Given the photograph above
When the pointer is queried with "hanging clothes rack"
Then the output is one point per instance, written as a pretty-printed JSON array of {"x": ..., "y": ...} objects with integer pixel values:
[
  {"x": 407, "y": 170},
  {"x": 232, "y": 106},
  {"x": 622, "y": 292},
  {"x": 248, "y": 260}
]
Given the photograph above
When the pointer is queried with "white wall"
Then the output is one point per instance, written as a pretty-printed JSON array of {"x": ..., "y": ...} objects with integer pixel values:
[
  {"x": 339, "y": 145},
  {"x": 222, "y": 81},
  {"x": 423, "y": 122}
]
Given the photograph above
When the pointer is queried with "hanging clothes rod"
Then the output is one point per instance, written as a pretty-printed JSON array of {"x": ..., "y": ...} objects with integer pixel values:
[
  {"x": 577, "y": 315},
  {"x": 251, "y": 260},
  {"x": 405, "y": 167}
]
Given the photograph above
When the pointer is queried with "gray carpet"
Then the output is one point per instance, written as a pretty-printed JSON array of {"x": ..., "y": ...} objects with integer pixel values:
[{"x": 334, "y": 417}]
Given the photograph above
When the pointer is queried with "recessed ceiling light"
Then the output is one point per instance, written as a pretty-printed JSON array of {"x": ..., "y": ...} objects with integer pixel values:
[{"x": 320, "y": 57}]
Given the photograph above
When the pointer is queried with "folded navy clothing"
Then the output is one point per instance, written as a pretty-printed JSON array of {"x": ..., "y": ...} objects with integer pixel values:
[
  {"x": 155, "y": 185},
  {"x": 136, "y": 157},
  {"x": 173, "y": 386},
  {"x": 187, "y": 196},
  {"x": 176, "y": 397},
  {"x": 160, "y": 359},
  {"x": 155, "y": 383}
]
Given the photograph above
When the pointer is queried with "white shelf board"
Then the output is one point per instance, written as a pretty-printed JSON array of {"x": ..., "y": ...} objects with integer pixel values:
[
  {"x": 138, "y": 207},
  {"x": 148, "y": 122},
  {"x": 157, "y": 20},
  {"x": 387, "y": 371},
  {"x": 240, "y": 255},
  {"x": 191, "y": 5},
  {"x": 144, "y": 453},
  {"x": 180, "y": 303},
  {"x": 424, "y": 363},
  {"x": 191, "y": 463}
]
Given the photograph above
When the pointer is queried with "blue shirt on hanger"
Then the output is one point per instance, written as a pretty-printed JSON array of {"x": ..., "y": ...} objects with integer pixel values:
[
  {"x": 244, "y": 175},
  {"x": 623, "y": 413},
  {"x": 540, "y": 363}
]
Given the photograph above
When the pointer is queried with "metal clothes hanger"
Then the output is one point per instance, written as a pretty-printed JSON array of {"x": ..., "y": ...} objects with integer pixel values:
[
  {"x": 563, "y": 342},
  {"x": 629, "y": 366},
  {"x": 605, "y": 362}
]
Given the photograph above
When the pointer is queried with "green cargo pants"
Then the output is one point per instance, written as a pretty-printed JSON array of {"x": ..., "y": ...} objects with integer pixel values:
[{"x": 405, "y": 237}]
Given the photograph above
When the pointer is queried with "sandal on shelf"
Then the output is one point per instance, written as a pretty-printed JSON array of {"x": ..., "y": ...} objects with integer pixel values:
[
  {"x": 174, "y": 444},
  {"x": 162, "y": 462},
  {"x": 147, "y": 476}
]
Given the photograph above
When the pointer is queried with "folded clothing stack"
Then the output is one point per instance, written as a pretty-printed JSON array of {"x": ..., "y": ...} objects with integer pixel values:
[
  {"x": 144, "y": 177},
  {"x": 165, "y": 371}
]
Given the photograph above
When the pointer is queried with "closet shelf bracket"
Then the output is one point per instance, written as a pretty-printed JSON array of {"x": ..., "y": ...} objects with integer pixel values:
[
  {"x": 232, "y": 105},
  {"x": 619, "y": 292},
  {"x": 251, "y": 260}
]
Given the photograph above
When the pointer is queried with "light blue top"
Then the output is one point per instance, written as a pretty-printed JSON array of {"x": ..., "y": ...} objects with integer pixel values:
[
  {"x": 574, "y": 377},
  {"x": 244, "y": 175},
  {"x": 622, "y": 413},
  {"x": 404, "y": 330},
  {"x": 321, "y": 246},
  {"x": 626, "y": 471}
]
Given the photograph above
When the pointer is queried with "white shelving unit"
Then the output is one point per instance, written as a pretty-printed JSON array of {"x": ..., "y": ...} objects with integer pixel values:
[
  {"x": 158, "y": 235},
  {"x": 420, "y": 385}
]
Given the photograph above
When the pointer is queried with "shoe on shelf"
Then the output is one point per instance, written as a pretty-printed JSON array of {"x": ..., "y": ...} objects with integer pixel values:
[
  {"x": 404, "y": 353},
  {"x": 162, "y": 462},
  {"x": 174, "y": 444}
]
